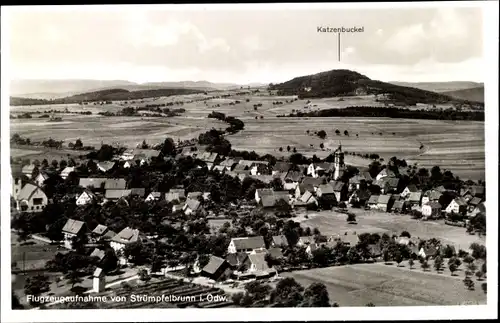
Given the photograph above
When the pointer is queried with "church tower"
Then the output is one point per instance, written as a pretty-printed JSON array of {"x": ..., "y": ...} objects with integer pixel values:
[{"x": 339, "y": 163}]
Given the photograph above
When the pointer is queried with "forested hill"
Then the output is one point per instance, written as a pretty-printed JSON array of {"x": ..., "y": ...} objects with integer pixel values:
[
  {"x": 104, "y": 95},
  {"x": 345, "y": 82}
]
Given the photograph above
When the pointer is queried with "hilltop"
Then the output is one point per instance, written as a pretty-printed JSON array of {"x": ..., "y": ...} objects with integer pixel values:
[
  {"x": 347, "y": 83},
  {"x": 474, "y": 94},
  {"x": 104, "y": 95}
]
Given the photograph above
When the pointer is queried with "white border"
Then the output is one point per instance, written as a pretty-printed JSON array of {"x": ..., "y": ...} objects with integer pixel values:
[{"x": 490, "y": 40}]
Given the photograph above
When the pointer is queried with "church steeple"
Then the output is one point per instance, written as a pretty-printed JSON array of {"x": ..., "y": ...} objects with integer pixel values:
[{"x": 338, "y": 162}]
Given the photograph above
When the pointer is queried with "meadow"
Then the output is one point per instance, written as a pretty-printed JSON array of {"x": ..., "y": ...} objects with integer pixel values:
[
  {"x": 454, "y": 145},
  {"x": 333, "y": 223},
  {"x": 389, "y": 285}
]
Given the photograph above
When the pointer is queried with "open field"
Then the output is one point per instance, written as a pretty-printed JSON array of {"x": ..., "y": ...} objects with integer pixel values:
[
  {"x": 387, "y": 285},
  {"x": 331, "y": 223},
  {"x": 454, "y": 145}
]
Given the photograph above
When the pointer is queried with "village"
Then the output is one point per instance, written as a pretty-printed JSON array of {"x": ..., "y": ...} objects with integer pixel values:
[{"x": 151, "y": 213}]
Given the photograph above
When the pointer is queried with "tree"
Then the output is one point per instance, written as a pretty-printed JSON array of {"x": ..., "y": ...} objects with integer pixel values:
[
  {"x": 237, "y": 297},
  {"x": 36, "y": 285},
  {"x": 337, "y": 132},
  {"x": 425, "y": 265},
  {"x": 16, "y": 304},
  {"x": 322, "y": 134},
  {"x": 288, "y": 293},
  {"x": 405, "y": 234},
  {"x": 168, "y": 148},
  {"x": 479, "y": 275},
  {"x": 322, "y": 145},
  {"x": 471, "y": 267},
  {"x": 484, "y": 287},
  {"x": 478, "y": 251},
  {"x": 78, "y": 144},
  {"x": 448, "y": 251},
  {"x": 469, "y": 283},
  {"x": 280, "y": 149},
  {"x": 346, "y": 133},
  {"x": 468, "y": 259},
  {"x": 288, "y": 148},
  {"x": 316, "y": 295},
  {"x": 411, "y": 263},
  {"x": 453, "y": 267},
  {"x": 370, "y": 304},
  {"x": 398, "y": 257},
  {"x": 438, "y": 263},
  {"x": 74, "y": 278},
  {"x": 144, "y": 276},
  {"x": 351, "y": 217}
]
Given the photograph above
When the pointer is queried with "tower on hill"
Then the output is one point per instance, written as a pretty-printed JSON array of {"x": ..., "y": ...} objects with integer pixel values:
[{"x": 339, "y": 163}]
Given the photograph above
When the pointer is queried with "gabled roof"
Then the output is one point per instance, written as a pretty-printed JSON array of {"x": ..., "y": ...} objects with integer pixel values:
[
  {"x": 363, "y": 176},
  {"x": 249, "y": 243},
  {"x": 236, "y": 259},
  {"x": 309, "y": 183},
  {"x": 68, "y": 170},
  {"x": 306, "y": 196},
  {"x": 73, "y": 226},
  {"x": 337, "y": 185},
  {"x": 386, "y": 172},
  {"x": 429, "y": 250},
  {"x": 373, "y": 199},
  {"x": 94, "y": 182},
  {"x": 350, "y": 239},
  {"x": 98, "y": 272},
  {"x": 28, "y": 169},
  {"x": 155, "y": 195},
  {"x": 275, "y": 252},
  {"x": 307, "y": 240},
  {"x": 327, "y": 167},
  {"x": 384, "y": 199},
  {"x": 433, "y": 194},
  {"x": 363, "y": 194},
  {"x": 240, "y": 167},
  {"x": 398, "y": 205},
  {"x": 326, "y": 189},
  {"x": 475, "y": 201},
  {"x": 171, "y": 196},
  {"x": 280, "y": 240},
  {"x": 28, "y": 191},
  {"x": 230, "y": 162},
  {"x": 179, "y": 191},
  {"x": 126, "y": 236},
  {"x": 89, "y": 193},
  {"x": 192, "y": 204},
  {"x": 194, "y": 195},
  {"x": 213, "y": 265},
  {"x": 98, "y": 253},
  {"x": 259, "y": 261},
  {"x": 100, "y": 229},
  {"x": 263, "y": 178},
  {"x": 146, "y": 153},
  {"x": 282, "y": 167},
  {"x": 116, "y": 194},
  {"x": 390, "y": 182},
  {"x": 115, "y": 184},
  {"x": 415, "y": 196},
  {"x": 109, "y": 234},
  {"x": 460, "y": 201}
]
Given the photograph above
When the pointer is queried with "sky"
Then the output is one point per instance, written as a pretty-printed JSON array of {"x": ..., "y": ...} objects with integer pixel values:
[{"x": 244, "y": 46}]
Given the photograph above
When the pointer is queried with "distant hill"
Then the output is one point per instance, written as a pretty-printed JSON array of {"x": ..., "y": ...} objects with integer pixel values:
[
  {"x": 56, "y": 89},
  {"x": 475, "y": 94},
  {"x": 440, "y": 86},
  {"x": 104, "y": 95},
  {"x": 345, "y": 83}
]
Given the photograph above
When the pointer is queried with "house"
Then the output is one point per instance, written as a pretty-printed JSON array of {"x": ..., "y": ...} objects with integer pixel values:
[
  {"x": 191, "y": 206},
  {"x": 92, "y": 183},
  {"x": 388, "y": 184},
  {"x": 127, "y": 164},
  {"x": 305, "y": 240},
  {"x": 373, "y": 201},
  {"x": 194, "y": 195},
  {"x": 246, "y": 244},
  {"x": 219, "y": 168},
  {"x": 279, "y": 241},
  {"x": 399, "y": 206},
  {"x": 99, "y": 231},
  {"x": 384, "y": 202},
  {"x": 71, "y": 229},
  {"x": 85, "y": 198},
  {"x": 325, "y": 168},
  {"x": 41, "y": 178},
  {"x": 473, "y": 203},
  {"x": 294, "y": 177},
  {"x": 113, "y": 195},
  {"x": 241, "y": 169},
  {"x": 281, "y": 167},
  {"x": 474, "y": 191},
  {"x": 267, "y": 179},
  {"x": 105, "y": 166},
  {"x": 275, "y": 252},
  {"x": 115, "y": 184},
  {"x": 208, "y": 157},
  {"x": 66, "y": 171},
  {"x": 27, "y": 170},
  {"x": 432, "y": 195},
  {"x": 145, "y": 156},
  {"x": 409, "y": 189},
  {"x": 313, "y": 170},
  {"x": 178, "y": 207},
  {"x": 357, "y": 181},
  {"x": 308, "y": 184},
  {"x": 217, "y": 269},
  {"x": 414, "y": 198},
  {"x": 123, "y": 238},
  {"x": 339, "y": 189},
  {"x": 428, "y": 251},
  {"x": 259, "y": 193},
  {"x": 350, "y": 240},
  {"x": 172, "y": 197},
  {"x": 308, "y": 198},
  {"x": 228, "y": 164},
  {"x": 128, "y": 155},
  {"x": 480, "y": 209},
  {"x": 17, "y": 183},
  {"x": 256, "y": 264},
  {"x": 235, "y": 260},
  {"x": 31, "y": 198},
  {"x": 311, "y": 248},
  {"x": 98, "y": 253},
  {"x": 359, "y": 197},
  {"x": 431, "y": 210},
  {"x": 153, "y": 196},
  {"x": 260, "y": 168},
  {"x": 385, "y": 173},
  {"x": 457, "y": 205},
  {"x": 325, "y": 190},
  {"x": 179, "y": 191}
]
